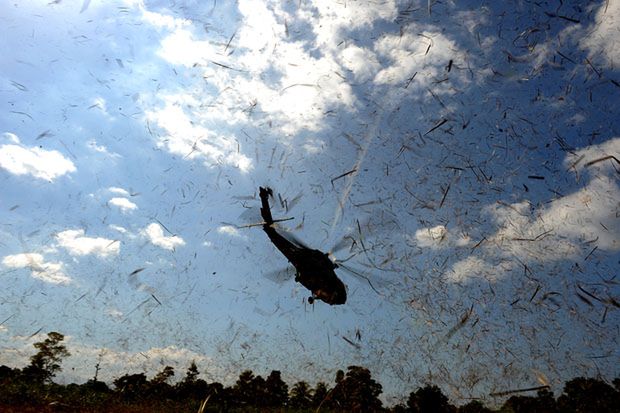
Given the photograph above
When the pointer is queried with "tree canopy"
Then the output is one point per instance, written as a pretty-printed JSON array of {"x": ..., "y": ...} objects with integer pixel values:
[
  {"x": 46, "y": 362},
  {"x": 32, "y": 389}
]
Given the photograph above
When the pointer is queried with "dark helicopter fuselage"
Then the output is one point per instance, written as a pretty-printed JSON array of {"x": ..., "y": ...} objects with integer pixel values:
[{"x": 315, "y": 270}]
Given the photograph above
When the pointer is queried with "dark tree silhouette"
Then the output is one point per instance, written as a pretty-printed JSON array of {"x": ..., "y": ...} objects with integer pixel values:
[
  {"x": 339, "y": 376},
  {"x": 546, "y": 401},
  {"x": 244, "y": 388},
  {"x": 91, "y": 393},
  {"x": 131, "y": 386},
  {"x": 357, "y": 391},
  {"x": 96, "y": 386},
  {"x": 46, "y": 362},
  {"x": 335, "y": 397},
  {"x": 474, "y": 406},
  {"x": 429, "y": 399},
  {"x": 159, "y": 387},
  {"x": 258, "y": 392},
  {"x": 8, "y": 374},
  {"x": 192, "y": 373},
  {"x": 588, "y": 395},
  {"x": 320, "y": 393},
  {"x": 14, "y": 389},
  {"x": 191, "y": 386},
  {"x": 219, "y": 395},
  {"x": 164, "y": 375},
  {"x": 543, "y": 403},
  {"x": 276, "y": 389},
  {"x": 354, "y": 391},
  {"x": 300, "y": 395}
]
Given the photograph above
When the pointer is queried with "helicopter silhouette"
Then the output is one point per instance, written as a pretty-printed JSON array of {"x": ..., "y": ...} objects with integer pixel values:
[{"x": 314, "y": 268}]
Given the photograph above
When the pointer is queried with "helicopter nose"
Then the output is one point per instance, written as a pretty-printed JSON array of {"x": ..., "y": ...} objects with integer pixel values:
[
  {"x": 338, "y": 297},
  {"x": 332, "y": 298}
]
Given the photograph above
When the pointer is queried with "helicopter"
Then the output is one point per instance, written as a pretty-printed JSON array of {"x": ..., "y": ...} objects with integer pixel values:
[{"x": 314, "y": 269}]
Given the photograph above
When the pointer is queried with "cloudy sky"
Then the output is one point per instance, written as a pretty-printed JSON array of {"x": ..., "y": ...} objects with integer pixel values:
[{"x": 466, "y": 152}]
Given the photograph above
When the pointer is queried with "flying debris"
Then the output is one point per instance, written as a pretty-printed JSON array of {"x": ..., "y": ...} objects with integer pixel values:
[
  {"x": 314, "y": 269},
  {"x": 85, "y": 6}
]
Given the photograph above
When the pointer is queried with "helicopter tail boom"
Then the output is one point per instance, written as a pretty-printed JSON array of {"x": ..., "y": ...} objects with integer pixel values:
[{"x": 265, "y": 211}]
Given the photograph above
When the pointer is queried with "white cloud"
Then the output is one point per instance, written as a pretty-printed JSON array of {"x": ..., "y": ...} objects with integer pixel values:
[
  {"x": 566, "y": 227},
  {"x": 163, "y": 20},
  {"x": 523, "y": 235},
  {"x": 99, "y": 103},
  {"x": 101, "y": 149},
  {"x": 569, "y": 226},
  {"x": 77, "y": 244},
  {"x": 11, "y": 137},
  {"x": 305, "y": 85},
  {"x": 118, "y": 228},
  {"x": 19, "y": 159},
  {"x": 587, "y": 215},
  {"x": 461, "y": 241},
  {"x": 190, "y": 140},
  {"x": 309, "y": 86},
  {"x": 361, "y": 62},
  {"x": 115, "y": 362},
  {"x": 576, "y": 119},
  {"x": 50, "y": 272},
  {"x": 603, "y": 38},
  {"x": 410, "y": 53},
  {"x": 431, "y": 237},
  {"x": 230, "y": 231},
  {"x": 473, "y": 20},
  {"x": 470, "y": 268},
  {"x": 115, "y": 313},
  {"x": 180, "y": 48},
  {"x": 438, "y": 237},
  {"x": 314, "y": 146},
  {"x": 260, "y": 29},
  {"x": 581, "y": 159},
  {"x": 78, "y": 367},
  {"x": 120, "y": 191},
  {"x": 123, "y": 203},
  {"x": 290, "y": 84},
  {"x": 332, "y": 18},
  {"x": 155, "y": 233}
]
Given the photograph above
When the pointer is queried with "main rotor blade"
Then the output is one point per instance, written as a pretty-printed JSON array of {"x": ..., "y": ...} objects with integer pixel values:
[
  {"x": 280, "y": 276},
  {"x": 278, "y": 205},
  {"x": 345, "y": 242},
  {"x": 292, "y": 238},
  {"x": 259, "y": 224},
  {"x": 359, "y": 275}
]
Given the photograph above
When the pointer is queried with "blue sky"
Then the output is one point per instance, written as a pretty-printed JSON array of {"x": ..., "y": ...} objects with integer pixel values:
[{"x": 135, "y": 134}]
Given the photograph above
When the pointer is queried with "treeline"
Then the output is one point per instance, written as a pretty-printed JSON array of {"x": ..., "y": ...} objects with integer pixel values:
[{"x": 31, "y": 389}]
